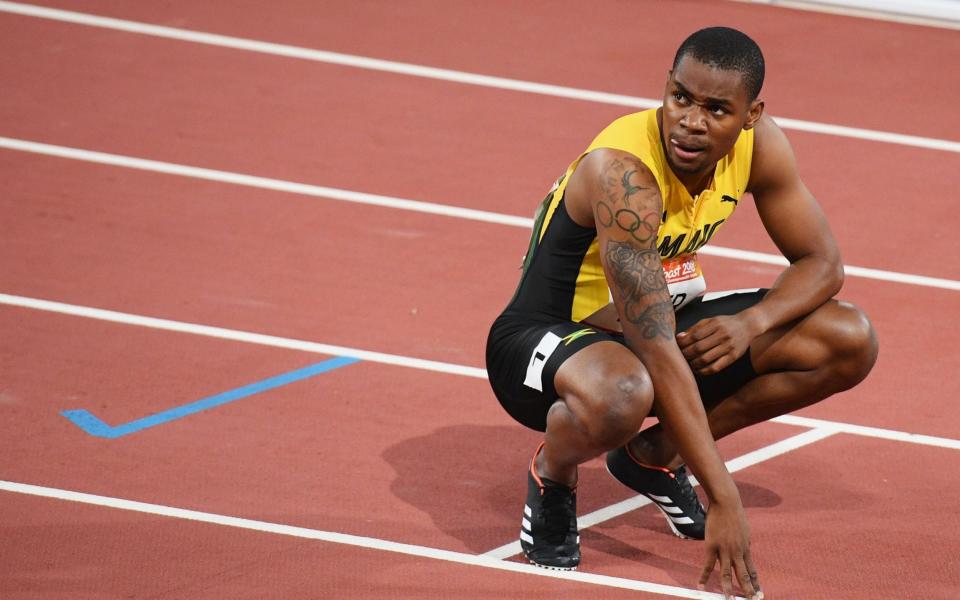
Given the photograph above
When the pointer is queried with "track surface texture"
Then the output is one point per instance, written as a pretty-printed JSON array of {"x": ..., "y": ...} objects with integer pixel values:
[{"x": 130, "y": 289}]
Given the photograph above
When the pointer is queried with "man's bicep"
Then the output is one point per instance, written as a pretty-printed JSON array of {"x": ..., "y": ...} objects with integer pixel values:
[
  {"x": 619, "y": 194},
  {"x": 790, "y": 213},
  {"x": 796, "y": 224}
]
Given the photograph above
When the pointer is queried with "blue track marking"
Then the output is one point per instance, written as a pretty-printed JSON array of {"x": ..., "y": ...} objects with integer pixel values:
[{"x": 89, "y": 422}]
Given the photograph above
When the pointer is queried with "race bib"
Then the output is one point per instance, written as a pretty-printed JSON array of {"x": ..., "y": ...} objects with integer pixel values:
[{"x": 684, "y": 279}]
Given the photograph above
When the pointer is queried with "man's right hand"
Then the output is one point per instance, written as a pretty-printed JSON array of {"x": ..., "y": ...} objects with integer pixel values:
[{"x": 728, "y": 541}]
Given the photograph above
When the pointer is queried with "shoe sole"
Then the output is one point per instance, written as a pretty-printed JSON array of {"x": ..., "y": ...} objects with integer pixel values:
[
  {"x": 666, "y": 517},
  {"x": 548, "y": 567}
]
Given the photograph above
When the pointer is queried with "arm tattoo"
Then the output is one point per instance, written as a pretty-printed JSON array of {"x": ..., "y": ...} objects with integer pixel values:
[
  {"x": 628, "y": 207},
  {"x": 638, "y": 277},
  {"x": 628, "y": 188},
  {"x": 635, "y": 216}
]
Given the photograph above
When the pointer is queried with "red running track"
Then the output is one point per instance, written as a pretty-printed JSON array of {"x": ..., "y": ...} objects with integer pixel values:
[{"x": 391, "y": 452}]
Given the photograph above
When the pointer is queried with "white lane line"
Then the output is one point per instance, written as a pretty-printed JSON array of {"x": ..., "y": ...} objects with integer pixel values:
[
  {"x": 850, "y": 270},
  {"x": 393, "y": 359},
  {"x": 362, "y": 62},
  {"x": 239, "y": 336},
  {"x": 350, "y": 540},
  {"x": 931, "y": 13},
  {"x": 874, "y": 432},
  {"x": 264, "y": 183},
  {"x": 316, "y": 191},
  {"x": 737, "y": 464}
]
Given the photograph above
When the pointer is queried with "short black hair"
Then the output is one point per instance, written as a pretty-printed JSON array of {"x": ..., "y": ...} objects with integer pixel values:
[{"x": 727, "y": 49}]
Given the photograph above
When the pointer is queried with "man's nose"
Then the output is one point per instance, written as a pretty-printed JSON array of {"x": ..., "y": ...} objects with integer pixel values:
[{"x": 694, "y": 119}]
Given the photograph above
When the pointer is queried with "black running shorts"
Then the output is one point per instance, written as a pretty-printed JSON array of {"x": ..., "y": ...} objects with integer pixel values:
[{"x": 524, "y": 353}]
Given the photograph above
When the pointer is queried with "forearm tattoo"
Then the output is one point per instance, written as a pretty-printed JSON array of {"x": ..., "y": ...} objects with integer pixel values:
[
  {"x": 634, "y": 264},
  {"x": 639, "y": 279}
]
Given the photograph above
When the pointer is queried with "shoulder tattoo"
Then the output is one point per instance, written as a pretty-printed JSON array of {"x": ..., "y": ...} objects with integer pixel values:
[{"x": 625, "y": 204}]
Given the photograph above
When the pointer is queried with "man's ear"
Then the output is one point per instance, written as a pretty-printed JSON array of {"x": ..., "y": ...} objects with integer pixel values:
[{"x": 754, "y": 114}]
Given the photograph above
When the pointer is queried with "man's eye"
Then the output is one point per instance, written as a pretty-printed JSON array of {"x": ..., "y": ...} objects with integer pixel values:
[
  {"x": 679, "y": 96},
  {"x": 717, "y": 109}
]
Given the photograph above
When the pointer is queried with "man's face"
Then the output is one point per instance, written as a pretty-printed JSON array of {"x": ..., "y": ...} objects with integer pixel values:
[{"x": 704, "y": 110}]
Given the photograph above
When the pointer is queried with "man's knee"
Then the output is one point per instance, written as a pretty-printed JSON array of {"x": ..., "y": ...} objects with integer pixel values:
[
  {"x": 853, "y": 342},
  {"x": 616, "y": 408}
]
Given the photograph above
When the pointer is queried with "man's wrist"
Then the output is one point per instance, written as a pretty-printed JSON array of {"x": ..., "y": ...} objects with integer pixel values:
[
  {"x": 756, "y": 320},
  {"x": 723, "y": 493}
]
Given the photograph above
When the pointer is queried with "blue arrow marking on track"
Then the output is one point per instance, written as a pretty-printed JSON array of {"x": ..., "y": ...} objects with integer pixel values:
[{"x": 90, "y": 423}]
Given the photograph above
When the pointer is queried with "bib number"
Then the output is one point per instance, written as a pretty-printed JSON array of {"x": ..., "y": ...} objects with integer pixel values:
[{"x": 684, "y": 279}]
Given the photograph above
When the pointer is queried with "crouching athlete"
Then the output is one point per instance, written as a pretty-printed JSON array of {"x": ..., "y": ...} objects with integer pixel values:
[{"x": 611, "y": 323}]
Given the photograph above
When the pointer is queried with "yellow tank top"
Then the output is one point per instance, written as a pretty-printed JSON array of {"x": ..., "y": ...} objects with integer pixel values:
[{"x": 687, "y": 222}]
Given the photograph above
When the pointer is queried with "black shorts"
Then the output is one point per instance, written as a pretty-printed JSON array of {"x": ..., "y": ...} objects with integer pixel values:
[{"x": 524, "y": 353}]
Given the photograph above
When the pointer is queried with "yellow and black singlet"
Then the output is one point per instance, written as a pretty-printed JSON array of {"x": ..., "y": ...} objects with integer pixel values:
[{"x": 562, "y": 274}]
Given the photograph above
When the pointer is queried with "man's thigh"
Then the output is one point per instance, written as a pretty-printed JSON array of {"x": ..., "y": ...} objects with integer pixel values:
[
  {"x": 806, "y": 343},
  {"x": 523, "y": 358}
]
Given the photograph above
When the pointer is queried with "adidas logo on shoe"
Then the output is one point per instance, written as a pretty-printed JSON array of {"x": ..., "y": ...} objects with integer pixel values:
[{"x": 670, "y": 491}]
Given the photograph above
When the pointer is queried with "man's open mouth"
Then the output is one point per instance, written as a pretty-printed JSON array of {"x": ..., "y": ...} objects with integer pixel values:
[{"x": 687, "y": 150}]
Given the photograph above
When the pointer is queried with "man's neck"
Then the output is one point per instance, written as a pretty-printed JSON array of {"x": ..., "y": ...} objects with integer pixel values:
[{"x": 695, "y": 182}]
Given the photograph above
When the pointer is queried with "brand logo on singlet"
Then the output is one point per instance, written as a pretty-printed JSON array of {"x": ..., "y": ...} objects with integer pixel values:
[
  {"x": 567, "y": 340},
  {"x": 670, "y": 247},
  {"x": 726, "y": 198}
]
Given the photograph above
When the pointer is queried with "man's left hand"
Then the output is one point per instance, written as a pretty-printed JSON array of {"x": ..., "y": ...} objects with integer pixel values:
[{"x": 713, "y": 344}]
